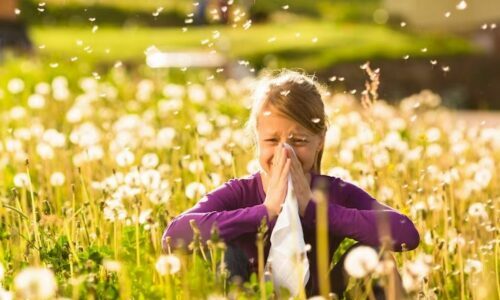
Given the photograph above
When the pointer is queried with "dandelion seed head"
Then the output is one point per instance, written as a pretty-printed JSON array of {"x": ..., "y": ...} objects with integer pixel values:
[
  {"x": 473, "y": 266},
  {"x": 21, "y": 180},
  {"x": 57, "y": 179},
  {"x": 45, "y": 151},
  {"x": 195, "y": 189},
  {"x": 168, "y": 264},
  {"x": 36, "y": 101},
  {"x": 478, "y": 211},
  {"x": 2, "y": 271},
  {"x": 112, "y": 265},
  {"x": 35, "y": 283},
  {"x": 125, "y": 158},
  {"x": 15, "y": 85},
  {"x": 361, "y": 261}
]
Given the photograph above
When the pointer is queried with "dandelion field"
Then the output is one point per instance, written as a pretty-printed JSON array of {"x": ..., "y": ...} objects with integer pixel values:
[{"x": 93, "y": 165}]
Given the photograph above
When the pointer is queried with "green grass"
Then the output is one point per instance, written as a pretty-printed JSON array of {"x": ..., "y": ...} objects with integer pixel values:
[{"x": 335, "y": 43}]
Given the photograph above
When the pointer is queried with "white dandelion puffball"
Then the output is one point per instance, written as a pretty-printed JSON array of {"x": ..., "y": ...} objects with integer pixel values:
[
  {"x": 57, "y": 179},
  {"x": 21, "y": 180},
  {"x": 125, "y": 158},
  {"x": 473, "y": 266},
  {"x": 15, "y": 85},
  {"x": 150, "y": 160},
  {"x": 168, "y": 264},
  {"x": 2, "y": 271},
  {"x": 478, "y": 211},
  {"x": 483, "y": 177},
  {"x": 35, "y": 283},
  {"x": 195, "y": 189},
  {"x": 165, "y": 137},
  {"x": 112, "y": 265},
  {"x": 361, "y": 261}
]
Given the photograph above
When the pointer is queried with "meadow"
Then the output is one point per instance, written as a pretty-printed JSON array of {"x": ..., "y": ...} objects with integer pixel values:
[{"x": 94, "y": 164}]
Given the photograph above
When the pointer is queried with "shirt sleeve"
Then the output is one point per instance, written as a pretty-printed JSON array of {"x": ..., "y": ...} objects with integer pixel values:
[
  {"x": 224, "y": 207},
  {"x": 353, "y": 213}
]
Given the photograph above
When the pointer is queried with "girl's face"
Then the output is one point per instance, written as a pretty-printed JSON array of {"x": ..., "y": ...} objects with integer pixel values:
[{"x": 274, "y": 129}]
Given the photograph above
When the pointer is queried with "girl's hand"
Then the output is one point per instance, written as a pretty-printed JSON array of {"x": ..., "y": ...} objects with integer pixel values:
[
  {"x": 278, "y": 182},
  {"x": 301, "y": 184}
]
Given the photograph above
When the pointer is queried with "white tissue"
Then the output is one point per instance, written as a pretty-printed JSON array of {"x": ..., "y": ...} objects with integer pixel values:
[{"x": 287, "y": 257}]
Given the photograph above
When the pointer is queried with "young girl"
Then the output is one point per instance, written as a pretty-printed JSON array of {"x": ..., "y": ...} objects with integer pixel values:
[{"x": 288, "y": 108}]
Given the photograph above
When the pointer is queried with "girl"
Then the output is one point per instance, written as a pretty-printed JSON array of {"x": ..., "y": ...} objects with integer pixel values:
[{"x": 288, "y": 108}]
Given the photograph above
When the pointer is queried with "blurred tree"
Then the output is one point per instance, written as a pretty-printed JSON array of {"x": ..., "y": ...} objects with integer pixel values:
[{"x": 13, "y": 33}]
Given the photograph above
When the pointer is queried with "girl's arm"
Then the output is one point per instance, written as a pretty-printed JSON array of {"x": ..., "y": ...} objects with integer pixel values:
[
  {"x": 353, "y": 213},
  {"x": 224, "y": 207}
]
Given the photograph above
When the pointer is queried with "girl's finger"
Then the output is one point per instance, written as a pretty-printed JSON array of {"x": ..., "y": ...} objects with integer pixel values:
[
  {"x": 282, "y": 162},
  {"x": 286, "y": 169}
]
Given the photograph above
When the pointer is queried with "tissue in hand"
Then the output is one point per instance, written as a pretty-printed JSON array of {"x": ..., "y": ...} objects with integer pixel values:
[{"x": 287, "y": 258}]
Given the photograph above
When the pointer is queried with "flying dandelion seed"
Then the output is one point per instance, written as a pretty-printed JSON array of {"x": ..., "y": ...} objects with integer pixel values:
[
  {"x": 247, "y": 24},
  {"x": 333, "y": 78},
  {"x": 403, "y": 24},
  {"x": 94, "y": 28},
  {"x": 447, "y": 14},
  {"x": 433, "y": 62},
  {"x": 423, "y": 50},
  {"x": 17, "y": 11},
  {"x": 461, "y": 5},
  {"x": 406, "y": 57},
  {"x": 493, "y": 26},
  {"x": 271, "y": 39},
  {"x": 314, "y": 40},
  {"x": 285, "y": 7},
  {"x": 285, "y": 93},
  {"x": 484, "y": 26},
  {"x": 315, "y": 120},
  {"x": 266, "y": 113},
  {"x": 445, "y": 69}
]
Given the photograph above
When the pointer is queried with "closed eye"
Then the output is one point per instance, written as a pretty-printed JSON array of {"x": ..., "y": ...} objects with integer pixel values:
[{"x": 299, "y": 141}]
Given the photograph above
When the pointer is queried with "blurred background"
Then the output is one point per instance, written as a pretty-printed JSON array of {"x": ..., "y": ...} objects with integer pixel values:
[{"x": 450, "y": 47}]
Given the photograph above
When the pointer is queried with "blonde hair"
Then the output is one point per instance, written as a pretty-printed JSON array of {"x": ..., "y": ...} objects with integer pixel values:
[{"x": 295, "y": 95}]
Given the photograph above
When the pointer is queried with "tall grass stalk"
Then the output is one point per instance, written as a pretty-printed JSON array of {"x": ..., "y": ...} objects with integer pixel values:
[{"x": 322, "y": 250}]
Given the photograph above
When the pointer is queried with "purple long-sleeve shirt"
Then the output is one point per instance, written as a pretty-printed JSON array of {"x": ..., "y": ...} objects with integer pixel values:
[{"x": 237, "y": 209}]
